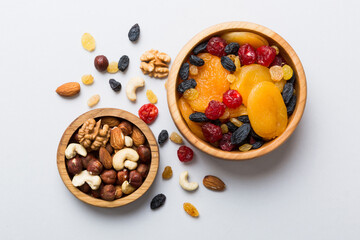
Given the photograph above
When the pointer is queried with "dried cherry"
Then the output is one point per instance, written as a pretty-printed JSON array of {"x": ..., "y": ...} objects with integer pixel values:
[
  {"x": 212, "y": 132},
  {"x": 185, "y": 154},
  {"x": 214, "y": 110},
  {"x": 247, "y": 54},
  {"x": 216, "y": 46},
  {"x": 278, "y": 61},
  {"x": 225, "y": 142},
  {"x": 265, "y": 55},
  {"x": 148, "y": 113},
  {"x": 232, "y": 99}
]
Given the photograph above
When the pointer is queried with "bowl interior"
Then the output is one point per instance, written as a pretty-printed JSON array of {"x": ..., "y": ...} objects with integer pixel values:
[
  {"x": 98, "y": 113},
  {"x": 274, "y": 39}
]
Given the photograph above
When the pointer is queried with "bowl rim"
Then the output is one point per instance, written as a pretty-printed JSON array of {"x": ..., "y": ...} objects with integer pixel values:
[
  {"x": 214, "y": 30},
  {"x": 104, "y": 112}
]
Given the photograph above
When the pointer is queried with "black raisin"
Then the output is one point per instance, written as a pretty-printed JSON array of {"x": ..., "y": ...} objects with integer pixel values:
[
  {"x": 258, "y": 144},
  {"x": 232, "y": 127},
  {"x": 287, "y": 92},
  {"x": 216, "y": 122},
  {"x": 157, "y": 201},
  {"x": 185, "y": 85},
  {"x": 194, "y": 60},
  {"x": 292, "y": 79},
  {"x": 198, "y": 117},
  {"x": 232, "y": 48},
  {"x": 290, "y": 107},
  {"x": 134, "y": 33},
  {"x": 254, "y": 135},
  {"x": 115, "y": 85},
  {"x": 184, "y": 71},
  {"x": 123, "y": 63},
  {"x": 200, "y": 48},
  {"x": 240, "y": 135},
  {"x": 244, "y": 119},
  {"x": 163, "y": 136},
  {"x": 228, "y": 64}
]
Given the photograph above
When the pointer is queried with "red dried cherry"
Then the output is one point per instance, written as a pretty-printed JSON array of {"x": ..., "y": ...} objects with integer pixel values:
[
  {"x": 148, "y": 113},
  {"x": 225, "y": 142},
  {"x": 252, "y": 140},
  {"x": 278, "y": 61},
  {"x": 265, "y": 55},
  {"x": 247, "y": 54},
  {"x": 214, "y": 110},
  {"x": 185, "y": 154},
  {"x": 232, "y": 99},
  {"x": 216, "y": 46},
  {"x": 212, "y": 133}
]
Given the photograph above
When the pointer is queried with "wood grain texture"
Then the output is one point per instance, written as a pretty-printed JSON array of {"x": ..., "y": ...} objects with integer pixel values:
[
  {"x": 102, "y": 112},
  {"x": 289, "y": 55}
]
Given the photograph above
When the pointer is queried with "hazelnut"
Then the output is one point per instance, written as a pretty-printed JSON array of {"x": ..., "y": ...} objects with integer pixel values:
[
  {"x": 135, "y": 179},
  {"x": 94, "y": 167},
  {"x": 118, "y": 192},
  {"x": 85, "y": 188},
  {"x": 109, "y": 148},
  {"x": 144, "y": 153},
  {"x": 143, "y": 169},
  {"x": 74, "y": 165},
  {"x": 126, "y": 128},
  {"x": 122, "y": 176},
  {"x": 101, "y": 63},
  {"x": 107, "y": 192},
  {"x": 87, "y": 159},
  {"x": 108, "y": 176},
  {"x": 96, "y": 193}
]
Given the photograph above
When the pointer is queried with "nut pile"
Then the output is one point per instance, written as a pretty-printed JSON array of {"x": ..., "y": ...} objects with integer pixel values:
[{"x": 108, "y": 158}]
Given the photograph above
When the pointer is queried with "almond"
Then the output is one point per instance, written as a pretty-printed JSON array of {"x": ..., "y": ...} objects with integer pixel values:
[
  {"x": 68, "y": 89},
  {"x": 138, "y": 137},
  {"x": 111, "y": 121},
  {"x": 105, "y": 158},
  {"x": 213, "y": 183},
  {"x": 117, "y": 139}
]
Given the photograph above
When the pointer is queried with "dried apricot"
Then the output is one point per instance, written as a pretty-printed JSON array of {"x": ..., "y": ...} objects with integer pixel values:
[
  {"x": 113, "y": 67},
  {"x": 186, "y": 111},
  {"x": 151, "y": 96},
  {"x": 167, "y": 173},
  {"x": 88, "y": 42},
  {"x": 245, "y": 37},
  {"x": 280, "y": 84},
  {"x": 190, "y": 209},
  {"x": 87, "y": 79}
]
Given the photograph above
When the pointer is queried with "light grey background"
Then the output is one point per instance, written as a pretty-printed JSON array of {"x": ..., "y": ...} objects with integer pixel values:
[{"x": 307, "y": 189}]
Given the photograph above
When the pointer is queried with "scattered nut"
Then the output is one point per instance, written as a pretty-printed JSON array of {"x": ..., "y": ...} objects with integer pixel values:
[
  {"x": 135, "y": 179},
  {"x": 108, "y": 176},
  {"x": 73, "y": 149},
  {"x": 93, "y": 181},
  {"x": 117, "y": 139},
  {"x": 213, "y": 183},
  {"x": 185, "y": 184},
  {"x": 155, "y": 64},
  {"x": 137, "y": 137},
  {"x": 176, "y": 138},
  {"x": 107, "y": 192},
  {"x": 144, "y": 153},
  {"x": 143, "y": 169},
  {"x": 94, "y": 167},
  {"x": 68, "y": 89},
  {"x": 122, "y": 176},
  {"x": 74, "y": 165},
  {"x": 93, "y": 100},
  {"x": 128, "y": 141},
  {"x": 101, "y": 63},
  {"x": 131, "y": 87},
  {"x": 126, "y": 127},
  {"x": 122, "y": 155},
  {"x": 126, "y": 188}
]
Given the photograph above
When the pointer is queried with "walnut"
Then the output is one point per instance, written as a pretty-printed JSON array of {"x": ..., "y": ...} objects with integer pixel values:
[
  {"x": 155, "y": 64},
  {"x": 92, "y": 136}
]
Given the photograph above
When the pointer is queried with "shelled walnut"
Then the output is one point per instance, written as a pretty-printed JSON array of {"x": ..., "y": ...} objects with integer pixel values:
[
  {"x": 155, "y": 63},
  {"x": 92, "y": 136}
]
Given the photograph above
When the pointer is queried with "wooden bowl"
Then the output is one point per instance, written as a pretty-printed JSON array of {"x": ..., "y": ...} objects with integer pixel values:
[
  {"x": 287, "y": 52},
  {"x": 103, "y": 112}
]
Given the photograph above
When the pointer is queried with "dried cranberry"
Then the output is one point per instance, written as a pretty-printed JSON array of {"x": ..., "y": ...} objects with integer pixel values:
[
  {"x": 252, "y": 140},
  {"x": 214, "y": 110},
  {"x": 185, "y": 154},
  {"x": 225, "y": 142},
  {"x": 265, "y": 55},
  {"x": 216, "y": 46},
  {"x": 212, "y": 133},
  {"x": 232, "y": 99},
  {"x": 247, "y": 54},
  {"x": 148, "y": 113},
  {"x": 278, "y": 61}
]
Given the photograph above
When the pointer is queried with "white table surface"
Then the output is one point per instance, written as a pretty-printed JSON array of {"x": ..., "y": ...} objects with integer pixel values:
[{"x": 306, "y": 189}]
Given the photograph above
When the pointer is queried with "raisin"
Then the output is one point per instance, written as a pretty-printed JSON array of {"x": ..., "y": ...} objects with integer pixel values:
[
  {"x": 167, "y": 173},
  {"x": 198, "y": 117},
  {"x": 240, "y": 135},
  {"x": 257, "y": 144},
  {"x": 157, "y": 201},
  {"x": 278, "y": 61},
  {"x": 231, "y": 127},
  {"x": 185, "y": 85},
  {"x": 212, "y": 133},
  {"x": 191, "y": 210},
  {"x": 292, "y": 79},
  {"x": 254, "y": 135},
  {"x": 123, "y": 63},
  {"x": 112, "y": 67},
  {"x": 236, "y": 122},
  {"x": 232, "y": 48},
  {"x": 193, "y": 70},
  {"x": 276, "y": 49},
  {"x": 232, "y": 99},
  {"x": 252, "y": 140},
  {"x": 194, "y": 60},
  {"x": 184, "y": 71},
  {"x": 148, "y": 113},
  {"x": 87, "y": 79},
  {"x": 247, "y": 54},
  {"x": 290, "y": 107},
  {"x": 151, "y": 96},
  {"x": 115, "y": 85},
  {"x": 244, "y": 119},
  {"x": 191, "y": 94},
  {"x": 214, "y": 110},
  {"x": 200, "y": 48},
  {"x": 185, "y": 154},
  {"x": 245, "y": 147},
  {"x": 288, "y": 72},
  {"x": 265, "y": 55},
  {"x": 228, "y": 64},
  {"x": 276, "y": 73},
  {"x": 216, "y": 46},
  {"x": 163, "y": 136},
  {"x": 176, "y": 138},
  {"x": 134, "y": 33},
  {"x": 225, "y": 142},
  {"x": 287, "y": 92},
  {"x": 224, "y": 128},
  {"x": 216, "y": 122},
  {"x": 88, "y": 42},
  {"x": 231, "y": 78}
]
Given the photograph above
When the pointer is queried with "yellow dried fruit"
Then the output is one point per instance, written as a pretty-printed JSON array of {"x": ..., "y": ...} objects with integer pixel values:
[
  {"x": 231, "y": 78},
  {"x": 280, "y": 84},
  {"x": 93, "y": 100},
  {"x": 190, "y": 209},
  {"x": 193, "y": 70},
  {"x": 167, "y": 173},
  {"x": 176, "y": 138},
  {"x": 236, "y": 122},
  {"x": 232, "y": 57},
  {"x": 88, "y": 42},
  {"x": 87, "y": 79},
  {"x": 288, "y": 72},
  {"x": 113, "y": 67},
  {"x": 244, "y": 148},
  {"x": 276, "y": 73},
  {"x": 151, "y": 96},
  {"x": 224, "y": 128},
  {"x": 191, "y": 94},
  {"x": 276, "y": 49},
  {"x": 237, "y": 63}
]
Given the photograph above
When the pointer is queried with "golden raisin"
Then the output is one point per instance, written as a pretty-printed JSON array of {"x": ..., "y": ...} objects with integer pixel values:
[
  {"x": 244, "y": 148},
  {"x": 288, "y": 72},
  {"x": 190, "y": 209},
  {"x": 231, "y": 78},
  {"x": 176, "y": 138},
  {"x": 93, "y": 100},
  {"x": 276, "y": 73},
  {"x": 191, "y": 94},
  {"x": 236, "y": 122},
  {"x": 224, "y": 128},
  {"x": 237, "y": 63},
  {"x": 193, "y": 70},
  {"x": 167, "y": 173},
  {"x": 87, "y": 79},
  {"x": 151, "y": 96},
  {"x": 88, "y": 42},
  {"x": 113, "y": 67},
  {"x": 276, "y": 49},
  {"x": 232, "y": 57}
]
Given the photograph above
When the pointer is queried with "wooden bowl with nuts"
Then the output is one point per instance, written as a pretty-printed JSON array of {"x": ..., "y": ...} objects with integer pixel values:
[
  {"x": 108, "y": 157},
  {"x": 230, "y": 48}
]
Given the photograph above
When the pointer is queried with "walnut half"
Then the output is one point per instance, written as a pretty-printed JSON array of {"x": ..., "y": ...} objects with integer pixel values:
[
  {"x": 92, "y": 136},
  {"x": 155, "y": 64}
]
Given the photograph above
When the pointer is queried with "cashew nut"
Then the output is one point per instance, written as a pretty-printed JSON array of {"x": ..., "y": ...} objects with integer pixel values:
[
  {"x": 185, "y": 184},
  {"x": 126, "y": 188},
  {"x": 93, "y": 181},
  {"x": 130, "y": 165},
  {"x": 74, "y": 148},
  {"x": 131, "y": 87},
  {"x": 128, "y": 141},
  {"x": 122, "y": 155}
]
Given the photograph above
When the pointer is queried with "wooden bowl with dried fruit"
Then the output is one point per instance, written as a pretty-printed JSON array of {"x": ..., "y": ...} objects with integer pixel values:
[
  {"x": 236, "y": 90},
  {"x": 108, "y": 157}
]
